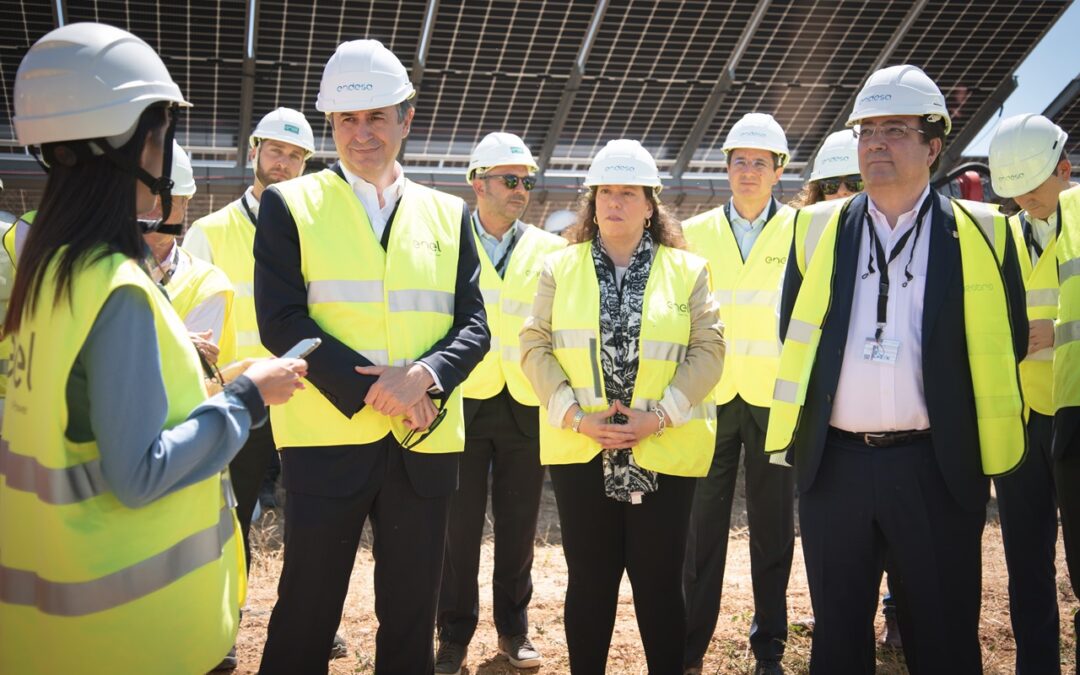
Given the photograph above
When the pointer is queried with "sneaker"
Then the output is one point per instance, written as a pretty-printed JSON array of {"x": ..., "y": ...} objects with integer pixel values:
[
  {"x": 449, "y": 658},
  {"x": 228, "y": 663},
  {"x": 519, "y": 651},
  {"x": 891, "y": 638},
  {"x": 339, "y": 649}
]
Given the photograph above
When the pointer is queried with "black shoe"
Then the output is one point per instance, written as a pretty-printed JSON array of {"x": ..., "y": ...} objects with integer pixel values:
[
  {"x": 519, "y": 651},
  {"x": 228, "y": 663},
  {"x": 768, "y": 668},
  {"x": 339, "y": 649},
  {"x": 450, "y": 657},
  {"x": 891, "y": 638},
  {"x": 693, "y": 669}
]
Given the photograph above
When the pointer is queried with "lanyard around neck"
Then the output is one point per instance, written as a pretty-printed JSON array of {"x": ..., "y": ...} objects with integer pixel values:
[
  {"x": 877, "y": 251},
  {"x": 504, "y": 260}
]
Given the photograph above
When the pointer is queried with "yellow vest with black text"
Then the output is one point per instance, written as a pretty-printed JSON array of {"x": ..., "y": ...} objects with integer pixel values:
[
  {"x": 508, "y": 302},
  {"x": 1041, "y": 287},
  {"x": 1067, "y": 331},
  {"x": 390, "y": 306},
  {"x": 88, "y": 585},
  {"x": 685, "y": 450},
  {"x": 748, "y": 294},
  {"x": 232, "y": 235},
  {"x": 200, "y": 282},
  {"x": 983, "y": 234}
]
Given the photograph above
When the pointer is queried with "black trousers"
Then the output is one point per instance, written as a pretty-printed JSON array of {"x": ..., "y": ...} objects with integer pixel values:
[
  {"x": 495, "y": 446},
  {"x": 247, "y": 471},
  {"x": 1067, "y": 479},
  {"x": 770, "y": 510},
  {"x": 1028, "y": 510},
  {"x": 601, "y": 538},
  {"x": 321, "y": 537},
  {"x": 870, "y": 508}
]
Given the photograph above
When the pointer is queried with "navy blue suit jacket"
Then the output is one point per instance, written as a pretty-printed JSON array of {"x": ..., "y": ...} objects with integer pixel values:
[
  {"x": 282, "y": 312},
  {"x": 946, "y": 375}
]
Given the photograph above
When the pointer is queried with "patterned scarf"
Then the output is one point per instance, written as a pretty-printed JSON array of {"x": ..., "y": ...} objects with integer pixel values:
[{"x": 620, "y": 330}]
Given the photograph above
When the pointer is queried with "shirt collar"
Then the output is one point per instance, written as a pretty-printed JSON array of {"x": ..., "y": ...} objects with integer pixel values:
[
  {"x": 251, "y": 201},
  {"x": 485, "y": 235},
  {"x": 905, "y": 221},
  {"x": 758, "y": 222},
  {"x": 390, "y": 195}
]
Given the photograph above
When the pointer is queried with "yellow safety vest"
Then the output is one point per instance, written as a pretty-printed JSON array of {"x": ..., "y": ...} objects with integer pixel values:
[
  {"x": 1041, "y": 286},
  {"x": 390, "y": 306},
  {"x": 88, "y": 585},
  {"x": 508, "y": 301},
  {"x": 1067, "y": 331},
  {"x": 983, "y": 234},
  {"x": 685, "y": 450},
  {"x": 748, "y": 294},
  {"x": 200, "y": 282},
  {"x": 232, "y": 235}
]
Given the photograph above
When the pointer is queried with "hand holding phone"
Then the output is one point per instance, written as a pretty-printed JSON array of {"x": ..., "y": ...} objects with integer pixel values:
[{"x": 301, "y": 349}]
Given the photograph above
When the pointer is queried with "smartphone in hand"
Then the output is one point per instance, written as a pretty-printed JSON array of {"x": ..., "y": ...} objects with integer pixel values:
[{"x": 301, "y": 349}]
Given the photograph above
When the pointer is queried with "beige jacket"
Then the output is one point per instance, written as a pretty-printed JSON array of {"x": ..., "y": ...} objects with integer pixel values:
[{"x": 692, "y": 383}]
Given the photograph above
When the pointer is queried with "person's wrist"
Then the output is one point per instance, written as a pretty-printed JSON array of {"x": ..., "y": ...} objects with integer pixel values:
[{"x": 575, "y": 423}]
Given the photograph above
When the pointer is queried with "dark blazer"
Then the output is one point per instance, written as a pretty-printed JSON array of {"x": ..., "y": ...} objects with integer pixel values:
[
  {"x": 946, "y": 374},
  {"x": 282, "y": 312}
]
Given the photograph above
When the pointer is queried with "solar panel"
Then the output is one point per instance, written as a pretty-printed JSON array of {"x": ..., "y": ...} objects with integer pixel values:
[{"x": 1065, "y": 111}]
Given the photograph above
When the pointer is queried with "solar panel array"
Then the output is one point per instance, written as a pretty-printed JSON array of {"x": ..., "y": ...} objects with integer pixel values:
[{"x": 1066, "y": 112}]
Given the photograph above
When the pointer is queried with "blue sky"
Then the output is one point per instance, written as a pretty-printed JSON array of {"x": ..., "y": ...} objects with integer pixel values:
[{"x": 1040, "y": 78}]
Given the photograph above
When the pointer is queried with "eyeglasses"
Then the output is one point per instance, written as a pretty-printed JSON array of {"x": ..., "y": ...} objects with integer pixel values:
[
  {"x": 891, "y": 132},
  {"x": 511, "y": 181},
  {"x": 831, "y": 186},
  {"x": 408, "y": 443},
  {"x": 756, "y": 165}
]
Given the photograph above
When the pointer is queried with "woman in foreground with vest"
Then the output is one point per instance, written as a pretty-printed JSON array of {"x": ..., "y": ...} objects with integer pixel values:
[
  {"x": 623, "y": 346},
  {"x": 117, "y": 535}
]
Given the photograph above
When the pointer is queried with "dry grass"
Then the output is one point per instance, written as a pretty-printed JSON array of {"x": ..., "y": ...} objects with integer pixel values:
[{"x": 729, "y": 653}]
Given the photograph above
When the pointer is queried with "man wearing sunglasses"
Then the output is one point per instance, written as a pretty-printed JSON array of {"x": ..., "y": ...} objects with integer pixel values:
[
  {"x": 746, "y": 242},
  {"x": 501, "y": 418},
  {"x": 1029, "y": 164},
  {"x": 385, "y": 271},
  {"x": 897, "y": 393}
]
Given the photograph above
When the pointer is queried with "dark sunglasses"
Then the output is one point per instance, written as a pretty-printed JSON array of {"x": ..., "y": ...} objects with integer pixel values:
[
  {"x": 511, "y": 181},
  {"x": 831, "y": 186},
  {"x": 408, "y": 443}
]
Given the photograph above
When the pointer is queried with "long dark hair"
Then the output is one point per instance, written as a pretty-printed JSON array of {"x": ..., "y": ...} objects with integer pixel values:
[
  {"x": 88, "y": 207},
  {"x": 665, "y": 228},
  {"x": 810, "y": 194}
]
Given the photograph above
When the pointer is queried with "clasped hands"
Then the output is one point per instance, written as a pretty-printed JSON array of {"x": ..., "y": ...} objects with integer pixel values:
[
  {"x": 402, "y": 390},
  {"x": 640, "y": 424}
]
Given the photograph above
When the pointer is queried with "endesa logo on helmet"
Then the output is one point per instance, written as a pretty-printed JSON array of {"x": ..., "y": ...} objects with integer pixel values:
[
  {"x": 623, "y": 168},
  {"x": 1015, "y": 176},
  {"x": 355, "y": 86},
  {"x": 836, "y": 158},
  {"x": 752, "y": 133},
  {"x": 876, "y": 98}
]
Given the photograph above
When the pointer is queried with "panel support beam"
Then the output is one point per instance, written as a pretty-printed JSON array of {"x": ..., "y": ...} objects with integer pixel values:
[
  {"x": 423, "y": 49},
  {"x": 247, "y": 83},
  {"x": 1067, "y": 96}
]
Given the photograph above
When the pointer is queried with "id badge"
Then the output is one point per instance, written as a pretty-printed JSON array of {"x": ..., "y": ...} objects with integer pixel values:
[{"x": 881, "y": 351}]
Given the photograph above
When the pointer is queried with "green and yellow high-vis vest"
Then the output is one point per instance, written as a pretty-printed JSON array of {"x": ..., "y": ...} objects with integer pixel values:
[
  {"x": 199, "y": 282},
  {"x": 1067, "y": 331},
  {"x": 1041, "y": 288}
]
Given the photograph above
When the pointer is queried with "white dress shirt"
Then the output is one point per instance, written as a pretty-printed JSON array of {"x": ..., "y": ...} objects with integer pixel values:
[
  {"x": 368, "y": 195},
  {"x": 208, "y": 314},
  {"x": 1042, "y": 231},
  {"x": 872, "y": 396}
]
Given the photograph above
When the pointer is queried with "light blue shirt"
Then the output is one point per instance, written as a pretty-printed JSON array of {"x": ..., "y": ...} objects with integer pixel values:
[
  {"x": 745, "y": 231},
  {"x": 496, "y": 250}
]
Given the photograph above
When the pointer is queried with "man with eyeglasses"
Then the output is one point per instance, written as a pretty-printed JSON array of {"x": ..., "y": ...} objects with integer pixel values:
[
  {"x": 897, "y": 392},
  {"x": 501, "y": 418},
  {"x": 746, "y": 242},
  {"x": 1029, "y": 164},
  {"x": 385, "y": 271}
]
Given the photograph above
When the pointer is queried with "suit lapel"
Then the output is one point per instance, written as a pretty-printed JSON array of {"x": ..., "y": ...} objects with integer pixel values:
[{"x": 943, "y": 261}]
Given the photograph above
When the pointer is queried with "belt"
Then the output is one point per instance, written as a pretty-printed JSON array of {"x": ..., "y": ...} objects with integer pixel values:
[{"x": 880, "y": 439}]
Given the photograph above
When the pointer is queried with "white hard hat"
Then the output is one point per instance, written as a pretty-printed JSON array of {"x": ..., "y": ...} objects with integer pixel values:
[
  {"x": 624, "y": 162},
  {"x": 500, "y": 149},
  {"x": 285, "y": 125},
  {"x": 1024, "y": 153},
  {"x": 760, "y": 132},
  {"x": 363, "y": 75},
  {"x": 88, "y": 80},
  {"x": 557, "y": 221},
  {"x": 838, "y": 156},
  {"x": 182, "y": 174},
  {"x": 900, "y": 90}
]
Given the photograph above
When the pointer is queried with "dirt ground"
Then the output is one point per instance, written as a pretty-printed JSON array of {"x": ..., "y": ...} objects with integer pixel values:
[{"x": 729, "y": 653}]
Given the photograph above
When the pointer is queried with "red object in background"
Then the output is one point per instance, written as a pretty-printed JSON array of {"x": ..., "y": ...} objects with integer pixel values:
[{"x": 970, "y": 185}]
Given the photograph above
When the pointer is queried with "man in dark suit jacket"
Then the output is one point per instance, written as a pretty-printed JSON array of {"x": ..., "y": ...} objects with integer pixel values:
[
  {"x": 333, "y": 489},
  {"x": 886, "y": 451}
]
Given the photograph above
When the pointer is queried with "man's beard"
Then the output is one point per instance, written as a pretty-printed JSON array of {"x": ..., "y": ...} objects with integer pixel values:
[{"x": 264, "y": 179}]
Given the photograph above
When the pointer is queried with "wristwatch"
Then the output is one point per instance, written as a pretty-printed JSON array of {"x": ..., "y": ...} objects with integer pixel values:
[{"x": 575, "y": 424}]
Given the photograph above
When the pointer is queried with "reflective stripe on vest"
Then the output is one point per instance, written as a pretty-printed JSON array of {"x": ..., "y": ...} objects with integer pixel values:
[
  {"x": 1067, "y": 333},
  {"x": 199, "y": 282},
  {"x": 748, "y": 295},
  {"x": 685, "y": 450},
  {"x": 998, "y": 403},
  {"x": 164, "y": 581},
  {"x": 389, "y": 306},
  {"x": 1041, "y": 285},
  {"x": 508, "y": 302},
  {"x": 232, "y": 236}
]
